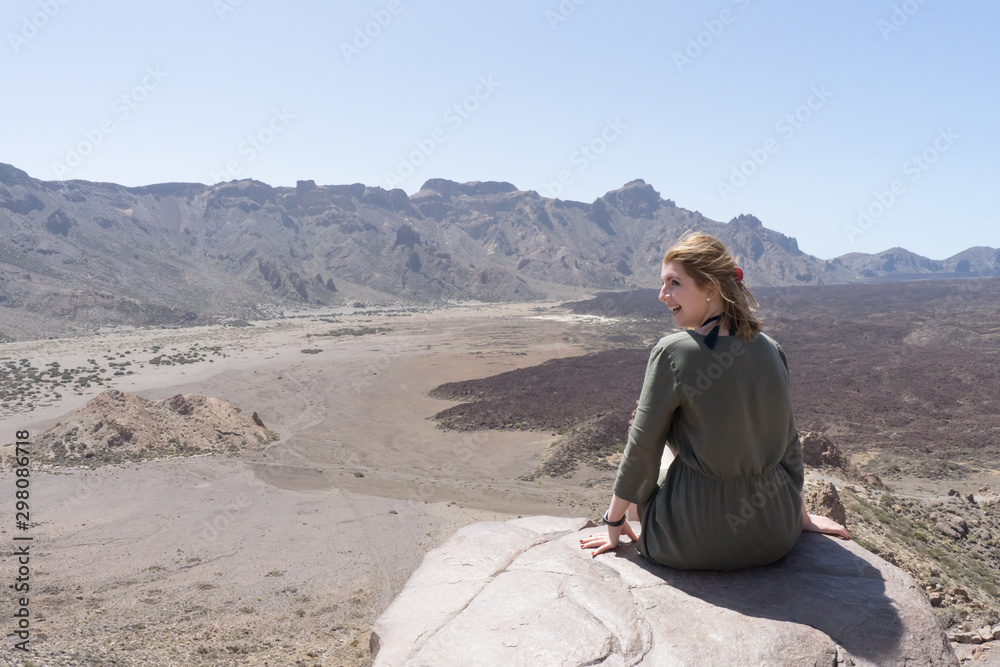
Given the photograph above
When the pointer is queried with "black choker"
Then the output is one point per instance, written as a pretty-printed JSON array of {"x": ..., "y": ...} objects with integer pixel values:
[{"x": 713, "y": 335}]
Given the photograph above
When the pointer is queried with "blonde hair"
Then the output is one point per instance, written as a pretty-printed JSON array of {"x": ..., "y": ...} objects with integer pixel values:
[{"x": 707, "y": 261}]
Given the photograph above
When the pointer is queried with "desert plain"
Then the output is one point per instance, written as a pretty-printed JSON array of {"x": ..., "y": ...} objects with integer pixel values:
[{"x": 286, "y": 552}]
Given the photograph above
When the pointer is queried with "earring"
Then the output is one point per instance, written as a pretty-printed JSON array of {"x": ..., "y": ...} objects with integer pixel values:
[{"x": 708, "y": 298}]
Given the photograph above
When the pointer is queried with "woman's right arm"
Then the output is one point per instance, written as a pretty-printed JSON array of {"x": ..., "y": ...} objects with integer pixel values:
[{"x": 659, "y": 399}]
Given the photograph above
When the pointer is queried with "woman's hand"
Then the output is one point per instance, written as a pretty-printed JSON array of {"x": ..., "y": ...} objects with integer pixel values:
[
  {"x": 821, "y": 524},
  {"x": 602, "y": 543}
]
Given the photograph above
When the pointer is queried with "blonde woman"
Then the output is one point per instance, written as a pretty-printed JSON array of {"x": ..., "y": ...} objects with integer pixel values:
[{"x": 727, "y": 493}]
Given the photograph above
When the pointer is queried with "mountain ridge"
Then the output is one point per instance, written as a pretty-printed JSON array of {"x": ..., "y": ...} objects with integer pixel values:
[{"x": 103, "y": 254}]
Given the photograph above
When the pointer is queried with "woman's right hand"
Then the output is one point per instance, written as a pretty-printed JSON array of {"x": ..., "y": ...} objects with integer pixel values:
[
  {"x": 601, "y": 543},
  {"x": 820, "y": 524}
]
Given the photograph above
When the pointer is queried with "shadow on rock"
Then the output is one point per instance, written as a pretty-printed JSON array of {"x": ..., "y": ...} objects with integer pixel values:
[{"x": 821, "y": 583}]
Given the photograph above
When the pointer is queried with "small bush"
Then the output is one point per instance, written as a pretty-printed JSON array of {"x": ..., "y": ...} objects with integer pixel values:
[{"x": 867, "y": 545}]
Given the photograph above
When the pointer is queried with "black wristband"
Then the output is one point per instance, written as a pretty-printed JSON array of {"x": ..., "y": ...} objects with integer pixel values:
[{"x": 613, "y": 523}]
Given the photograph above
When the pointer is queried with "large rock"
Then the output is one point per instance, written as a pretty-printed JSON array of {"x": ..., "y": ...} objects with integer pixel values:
[
  {"x": 819, "y": 451},
  {"x": 522, "y": 592},
  {"x": 824, "y": 500}
]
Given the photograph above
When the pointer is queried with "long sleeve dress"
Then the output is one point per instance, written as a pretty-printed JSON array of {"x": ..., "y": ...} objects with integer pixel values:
[{"x": 731, "y": 498}]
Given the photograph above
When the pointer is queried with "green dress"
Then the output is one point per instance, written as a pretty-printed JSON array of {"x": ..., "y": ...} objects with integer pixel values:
[{"x": 731, "y": 498}]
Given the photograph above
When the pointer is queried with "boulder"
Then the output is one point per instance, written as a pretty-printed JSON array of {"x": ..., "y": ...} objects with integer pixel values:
[
  {"x": 819, "y": 451},
  {"x": 824, "y": 500},
  {"x": 523, "y": 592},
  {"x": 953, "y": 526},
  {"x": 965, "y": 637}
]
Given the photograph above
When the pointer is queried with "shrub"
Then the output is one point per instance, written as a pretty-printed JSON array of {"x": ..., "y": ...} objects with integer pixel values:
[{"x": 867, "y": 545}]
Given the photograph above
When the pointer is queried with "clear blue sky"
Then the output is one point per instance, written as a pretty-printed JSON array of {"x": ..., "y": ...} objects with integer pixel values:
[{"x": 894, "y": 79}]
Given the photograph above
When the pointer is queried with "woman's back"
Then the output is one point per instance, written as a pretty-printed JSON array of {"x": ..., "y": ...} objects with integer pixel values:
[{"x": 732, "y": 497}]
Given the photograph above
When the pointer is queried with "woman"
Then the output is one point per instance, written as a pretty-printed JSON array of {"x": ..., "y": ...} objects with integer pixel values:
[{"x": 728, "y": 494}]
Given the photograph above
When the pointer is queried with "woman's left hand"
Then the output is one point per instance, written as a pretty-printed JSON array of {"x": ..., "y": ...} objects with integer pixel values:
[{"x": 602, "y": 543}]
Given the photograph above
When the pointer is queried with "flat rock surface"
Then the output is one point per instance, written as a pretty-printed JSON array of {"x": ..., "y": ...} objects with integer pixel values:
[{"x": 522, "y": 592}]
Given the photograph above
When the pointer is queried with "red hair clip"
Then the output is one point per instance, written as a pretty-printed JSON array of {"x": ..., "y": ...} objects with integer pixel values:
[{"x": 739, "y": 274}]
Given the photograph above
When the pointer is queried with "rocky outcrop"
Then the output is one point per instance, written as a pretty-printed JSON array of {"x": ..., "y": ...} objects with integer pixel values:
[
  {"x": 270, "y": 273},
  {"x": 471, "y": 189},
  {"x": 819, "y": 451},
  {"x": 116, "y": 426},
  {"x": 59, "y": 223},
  {"x": 983, "y": 635},
  {"x": 635, "y": 199},
  {"x": 522, "y": 592},
  {"x": 823, "y": 499}
]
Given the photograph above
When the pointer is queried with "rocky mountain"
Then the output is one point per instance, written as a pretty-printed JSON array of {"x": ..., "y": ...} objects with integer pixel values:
[
  {"x": 901, "y": 264},
  {"x": 99, "y": 254}
]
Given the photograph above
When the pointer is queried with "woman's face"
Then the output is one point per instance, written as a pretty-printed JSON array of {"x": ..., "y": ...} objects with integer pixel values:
[{"x": 686, "y": 300}]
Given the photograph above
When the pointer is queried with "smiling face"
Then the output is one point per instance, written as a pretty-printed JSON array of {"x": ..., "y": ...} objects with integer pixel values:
[{"x": 685, "y": 299}]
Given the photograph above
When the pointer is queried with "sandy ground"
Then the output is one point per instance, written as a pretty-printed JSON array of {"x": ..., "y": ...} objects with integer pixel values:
[{"x": 285, "y": 556}]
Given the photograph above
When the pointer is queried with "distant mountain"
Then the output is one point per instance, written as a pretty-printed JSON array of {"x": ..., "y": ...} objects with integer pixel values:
[
  {"x": 102, "y": 254},
  {"x": 978, "y": 259},
  {"x": 901, "y": 264}
]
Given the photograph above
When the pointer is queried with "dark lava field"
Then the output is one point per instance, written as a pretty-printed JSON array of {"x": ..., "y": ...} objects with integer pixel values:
[{"x": 905, "y": 373}]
